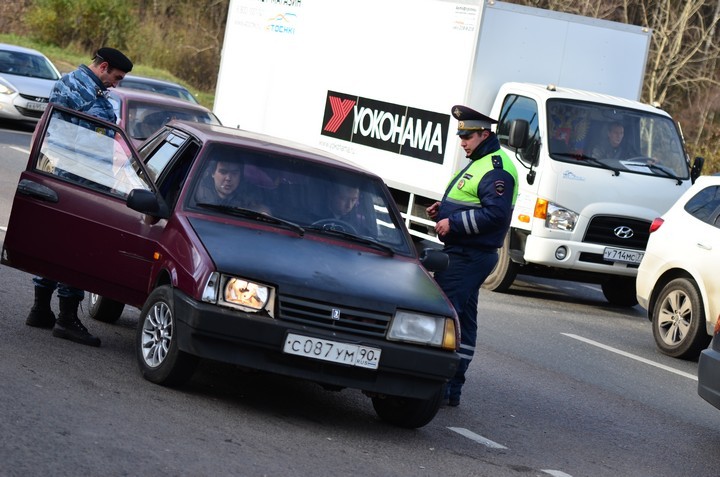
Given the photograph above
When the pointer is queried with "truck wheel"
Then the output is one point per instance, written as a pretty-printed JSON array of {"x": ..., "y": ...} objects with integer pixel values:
[
  {"x": 104, "y": 309},
  {"x": 678, "y": 320},
  {"x": 156, "y": 346},
  {"x": 620, "y": 291},
  {"x": 407, "y": 412},
  {"x": 505, "y": 271}
]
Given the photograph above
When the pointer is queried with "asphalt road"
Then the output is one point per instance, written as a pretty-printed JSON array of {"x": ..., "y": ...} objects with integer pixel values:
[{"x": 562, "y": 384}]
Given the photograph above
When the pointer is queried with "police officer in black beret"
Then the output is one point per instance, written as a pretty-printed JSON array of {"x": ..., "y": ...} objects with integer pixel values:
[
  {"x": 472, "y": 220},
  {"x": 82, "y": 90}
]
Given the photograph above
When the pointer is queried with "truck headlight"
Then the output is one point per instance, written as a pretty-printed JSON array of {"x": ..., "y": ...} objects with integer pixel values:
[
  {"x": 424, "y": 329},
  {"x": 560, "y": 218},
  {"x": 238, "y": 292}
]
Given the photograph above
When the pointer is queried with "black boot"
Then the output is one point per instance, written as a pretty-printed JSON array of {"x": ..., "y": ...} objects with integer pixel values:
[
  {"x": 41, "y": 316},
  {"x": 69, "y": 326}
]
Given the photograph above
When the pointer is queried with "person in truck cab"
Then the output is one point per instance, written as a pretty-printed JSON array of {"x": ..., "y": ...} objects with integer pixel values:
[
  {"x": 613, "y": 147},
  {"x": 472, "y": 220}
]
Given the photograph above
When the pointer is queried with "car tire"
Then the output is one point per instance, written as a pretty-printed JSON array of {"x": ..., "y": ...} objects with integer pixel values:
[
  {"x": 159, "y": 358},
  {"x": 678, "y": 320},
  {"x": 104, "y": 309},
  {"x": 503, "y": 275},
  {"x": 407, "y": 412},
  {"x": 620, "y": 291}
]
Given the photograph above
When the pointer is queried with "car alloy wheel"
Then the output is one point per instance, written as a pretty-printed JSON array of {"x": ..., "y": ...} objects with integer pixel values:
[{"x": 678, "y": 320}]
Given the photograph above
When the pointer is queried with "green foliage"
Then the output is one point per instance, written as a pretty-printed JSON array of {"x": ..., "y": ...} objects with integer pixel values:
[{"x": 89, "y": 24}]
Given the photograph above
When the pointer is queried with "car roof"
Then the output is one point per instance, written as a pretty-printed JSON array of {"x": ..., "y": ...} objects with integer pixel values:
[
  {"x": 155, "y": 98},
  {"x": 228, "y": 135},
  {"x": 19, "y": 49},
  {"x": 148, "y": 80}
]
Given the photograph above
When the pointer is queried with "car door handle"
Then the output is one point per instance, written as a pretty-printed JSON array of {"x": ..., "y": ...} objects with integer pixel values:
[
  {"x": 39, "y": 191},
  {"x": 704, "y": 247}
]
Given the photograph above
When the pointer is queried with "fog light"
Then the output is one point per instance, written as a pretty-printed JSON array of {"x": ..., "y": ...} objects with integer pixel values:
[{"x": 561, "y": 253}]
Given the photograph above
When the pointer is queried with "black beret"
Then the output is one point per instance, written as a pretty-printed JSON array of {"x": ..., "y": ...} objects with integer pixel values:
[
  {"x": 115, "y": 58},
  {"x": 470, "y": 120}
]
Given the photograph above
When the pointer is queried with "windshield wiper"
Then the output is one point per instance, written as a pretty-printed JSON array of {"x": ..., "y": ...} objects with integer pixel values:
[
  {"x": 356, "y": 238},
  {"x": 255, "y": 215},
  {"x": 590, "y": 159},
  {"x": 667, "y": 173}
]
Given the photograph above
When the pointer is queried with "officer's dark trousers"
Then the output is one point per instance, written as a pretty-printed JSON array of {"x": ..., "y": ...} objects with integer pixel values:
[{"x": 468, "y": 269}]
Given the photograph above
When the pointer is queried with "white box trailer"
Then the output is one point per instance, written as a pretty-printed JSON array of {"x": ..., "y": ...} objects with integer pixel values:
[{"x": 374, "y": 82}]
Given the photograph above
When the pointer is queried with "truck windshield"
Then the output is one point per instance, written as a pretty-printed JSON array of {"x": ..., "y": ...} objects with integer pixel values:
[{"x": 623, "y": 140}]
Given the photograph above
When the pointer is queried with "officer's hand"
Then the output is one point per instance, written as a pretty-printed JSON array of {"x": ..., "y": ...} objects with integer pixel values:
[
  {"x": 442, "y": 227},
  {"x": 432, "y": 211}
]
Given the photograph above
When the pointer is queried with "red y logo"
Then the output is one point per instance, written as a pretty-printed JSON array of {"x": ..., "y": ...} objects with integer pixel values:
[{"x": 340, "y": 109}]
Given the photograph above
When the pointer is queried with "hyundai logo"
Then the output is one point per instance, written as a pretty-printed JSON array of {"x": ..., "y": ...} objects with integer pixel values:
[
  {"x": 623, "y": 232},
  {"x": 335, "y": 314}
]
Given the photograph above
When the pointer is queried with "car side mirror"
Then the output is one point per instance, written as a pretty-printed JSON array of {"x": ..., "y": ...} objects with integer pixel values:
[
  {"x": 146, "y": 202},
  {"x": 518, "y": 134},
  {"x": 696, "y": 169},
  {"x": 434, "y": 260}
]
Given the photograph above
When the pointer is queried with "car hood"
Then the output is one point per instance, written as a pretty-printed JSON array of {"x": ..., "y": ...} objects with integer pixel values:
[
  {"x": 38, "y": 87},
  {"x": 314, "y": 269}
]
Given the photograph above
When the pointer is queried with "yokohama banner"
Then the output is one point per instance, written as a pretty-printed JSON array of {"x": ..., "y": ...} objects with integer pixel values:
[{"x": 391, "y": 127}]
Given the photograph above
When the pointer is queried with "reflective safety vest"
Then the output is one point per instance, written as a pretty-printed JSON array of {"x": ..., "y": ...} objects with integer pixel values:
[{"x": 463, "y": 188}]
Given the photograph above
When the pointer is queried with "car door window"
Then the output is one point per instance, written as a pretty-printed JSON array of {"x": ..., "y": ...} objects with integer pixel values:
[
  {"x": 705, "y": 205},
  {"x": 89, "y": 153}
]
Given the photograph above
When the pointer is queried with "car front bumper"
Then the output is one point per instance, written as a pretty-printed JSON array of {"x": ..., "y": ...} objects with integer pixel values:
[{"x": 231, "y": 336}]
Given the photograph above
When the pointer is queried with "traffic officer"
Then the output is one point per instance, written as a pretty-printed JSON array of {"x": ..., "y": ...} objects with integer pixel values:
[{"x": 472, "y": 220}]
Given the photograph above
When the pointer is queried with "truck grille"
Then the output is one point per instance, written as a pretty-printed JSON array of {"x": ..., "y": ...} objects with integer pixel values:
[
  {"x": 602, "y": 231},
  {"x": 320, "y": 314}
]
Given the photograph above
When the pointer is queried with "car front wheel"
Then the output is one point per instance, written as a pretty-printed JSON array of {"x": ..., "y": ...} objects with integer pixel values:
[
  {"x": 407, "y": 412},
  {"x": 158, "y": 356},
  {"x": 678, "y": 320}
]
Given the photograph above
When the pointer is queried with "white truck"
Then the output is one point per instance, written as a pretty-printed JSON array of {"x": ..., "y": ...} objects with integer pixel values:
[{"x": 374, "y": 82}]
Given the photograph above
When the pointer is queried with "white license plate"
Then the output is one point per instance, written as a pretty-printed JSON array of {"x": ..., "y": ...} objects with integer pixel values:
[
  {"x": 620, "y": 255},
  {"x": 326, "y": 350},
  {"x": 36, "y": 106}
]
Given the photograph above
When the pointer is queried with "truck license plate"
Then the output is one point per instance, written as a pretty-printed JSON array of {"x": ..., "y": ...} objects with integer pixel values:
[
  {"x": 326, "y": 350},
  {"x": 620, "y": 255}
]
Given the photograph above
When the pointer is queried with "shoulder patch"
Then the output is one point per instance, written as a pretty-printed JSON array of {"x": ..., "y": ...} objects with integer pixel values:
[
  {"x": 497, "y": 162},
  {"x": 500, "y": 187}
]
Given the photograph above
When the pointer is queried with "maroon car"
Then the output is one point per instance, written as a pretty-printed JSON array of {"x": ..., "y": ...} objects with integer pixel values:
[
  {"x": 231, "y": 246},
  {"x": 141, "y": 113}
]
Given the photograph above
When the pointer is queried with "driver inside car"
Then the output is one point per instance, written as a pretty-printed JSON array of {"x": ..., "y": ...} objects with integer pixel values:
[{"x": 342, "y": 209}]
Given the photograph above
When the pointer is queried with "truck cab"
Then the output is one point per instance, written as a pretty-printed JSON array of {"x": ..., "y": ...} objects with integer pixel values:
[{"x": 585, "y": 206}]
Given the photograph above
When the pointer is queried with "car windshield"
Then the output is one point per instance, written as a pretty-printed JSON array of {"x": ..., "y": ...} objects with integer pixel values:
[
  {"x": 621, "y": 140},
  {"x": 25, "y": 64},
  {"x": 143, "y": 118},
  {"x": 301, "y": 195}
]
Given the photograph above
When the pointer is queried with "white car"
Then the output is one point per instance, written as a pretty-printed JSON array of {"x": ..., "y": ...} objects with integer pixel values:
[
  {"x": 26, "y": 80},
  {"x": 678, "y": 282}
]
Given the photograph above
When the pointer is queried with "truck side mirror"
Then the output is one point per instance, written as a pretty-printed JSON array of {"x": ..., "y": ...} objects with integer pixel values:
[
  {"x": 518, "y": 134},
  {"x": 696, "y": 168}
]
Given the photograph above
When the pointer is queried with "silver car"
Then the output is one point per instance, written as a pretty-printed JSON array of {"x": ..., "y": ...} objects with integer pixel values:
[{"x": 26, "y": 79}]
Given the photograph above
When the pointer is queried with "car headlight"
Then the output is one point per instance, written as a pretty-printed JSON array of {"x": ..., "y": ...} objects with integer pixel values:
[
  {"x": 238, "y": 293},
  {"x": 6, "y": 88},
  {"x": 424, "y": 329},
  {"x": 560, "y": 218}
]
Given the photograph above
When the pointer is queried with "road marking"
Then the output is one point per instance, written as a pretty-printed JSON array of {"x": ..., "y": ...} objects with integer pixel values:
[
  {"x": 555, "y": 473},
  {"x": 20, "y": 149},
  {"x": 477, "y": 438},
  {"x": 632, "y": 356}
]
